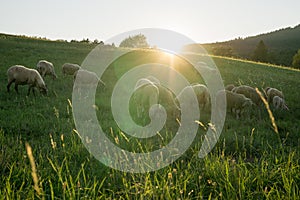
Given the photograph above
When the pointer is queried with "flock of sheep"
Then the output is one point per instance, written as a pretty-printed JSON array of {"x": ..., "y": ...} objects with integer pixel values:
[
  {"x": 148, "y": 91},
  {"x": 34, "y": 78},
  {"x": 242, "y": 97}
]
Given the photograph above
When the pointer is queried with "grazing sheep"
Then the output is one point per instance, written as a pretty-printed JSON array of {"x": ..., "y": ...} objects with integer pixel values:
[
  {"x": 250, "y": 93},
  {"x": 144, "y": 97},
  {"x": 148, "y": 93},
  {"x": 45, "y": 67},
  {"x": 141, "y": 82},
  {"x": 168, "y": 100},
  {"x": 279, "y": 103},
  {"x": 236, "y": 103},
  {"x": 229, "y": 87},
  {"x": 272, "y": 92},
  {"x": 201, "y": 93},
  {"x": 145, "y": 81},
  {"x": 70, "y": 68},
  {"x": 185, "y": 100},
  {"x": 21, "y": 75},
  {"x": 87, "y": 77}
]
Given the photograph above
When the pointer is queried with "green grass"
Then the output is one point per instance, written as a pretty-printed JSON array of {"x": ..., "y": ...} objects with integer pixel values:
[{"x": 250, "y": 161}]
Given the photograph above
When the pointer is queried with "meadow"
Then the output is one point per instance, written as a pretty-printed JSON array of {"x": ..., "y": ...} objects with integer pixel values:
[{"x": 250, "y": 160}]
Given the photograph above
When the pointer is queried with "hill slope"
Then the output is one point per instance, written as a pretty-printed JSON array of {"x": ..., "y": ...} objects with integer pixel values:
[{"x": 281, "y": 44}]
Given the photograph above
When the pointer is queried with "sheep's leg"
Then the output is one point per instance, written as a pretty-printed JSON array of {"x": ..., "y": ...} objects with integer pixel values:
[
  {"x": 238, "y": 112},
  {"x": 33, "y": 90},
  {"x": 30, "y": 88},
  {"x": 16, "y": 88},
  {"x": 9, "y": 84}
]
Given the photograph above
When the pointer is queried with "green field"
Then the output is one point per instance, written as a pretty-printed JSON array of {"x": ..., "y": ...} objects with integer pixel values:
[{"x": 250, "y": 160}]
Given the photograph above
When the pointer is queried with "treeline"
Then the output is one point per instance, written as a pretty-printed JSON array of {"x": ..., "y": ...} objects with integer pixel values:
[
  {"x": 278, "y": 47},
  {"x": 135, "y": 41},
  {"x": 32, "y": 38}
]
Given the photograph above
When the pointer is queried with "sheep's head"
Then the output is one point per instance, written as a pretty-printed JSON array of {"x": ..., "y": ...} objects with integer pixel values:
[
  {"x": 285, "y": 107},
  {"x": 39, "y": 69},
  {"x": 247, "y": 103},
  {"x": 44, "y": 90},
  {"x": 279, "y": 102},
  {"x": 266, "y": 89}
]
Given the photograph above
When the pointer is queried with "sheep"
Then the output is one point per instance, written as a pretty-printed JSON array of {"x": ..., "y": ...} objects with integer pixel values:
[
  {"x": 229, "y": 87},
  {"x": 21, "y": 75},
  {"x": 145, "y": 81},
  {"x": 70, "y": 68},
  {"x": 250, "y": 93},
  {"x": 202, "y": 94},
  {"x": 236, "y": 103},
  {"x": 168, "y": 100},
  {"x": 87, "y": 77},
  {"x": 279, "y": 103},
  {"x": 185, "y": 100},
  {"x": 144, "y": 96},
  {"x": 272, "y": 92},
  {"x": 147, "y": 93},
  {"x": 45, "y": 67},
  {"x": 141, "y": 82}
]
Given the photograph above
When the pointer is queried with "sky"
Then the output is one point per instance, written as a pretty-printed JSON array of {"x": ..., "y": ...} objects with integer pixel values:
[{"x": 202, "y": 21}]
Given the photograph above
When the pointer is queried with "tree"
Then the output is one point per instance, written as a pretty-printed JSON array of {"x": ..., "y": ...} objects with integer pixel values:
[
  {"x": 261, "y": 52},
  {"x": 85, "y": 40},
  {"x": 137, "y": 41},
  {"x": 223, "y": 51},
  {"x": 296, "y": 60}
]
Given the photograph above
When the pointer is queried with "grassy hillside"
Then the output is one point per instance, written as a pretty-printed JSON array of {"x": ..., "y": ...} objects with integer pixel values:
[
  {"x": 282, "y": 45},
  {"x": 250, "y": 161}
]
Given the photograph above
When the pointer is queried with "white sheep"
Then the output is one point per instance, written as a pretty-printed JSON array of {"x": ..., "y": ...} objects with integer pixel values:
[
  {"x": 168, "y": 100},
  {"x": 144, "y": 96},
  {"x": 86, "y": 77},
  {"x": 279, "y": 103},
  {"x": 202, "y": 94},
  {"x": 141, "y": 82},
  {"x": 272, "y": 92},
  {"x": 250, "y": 93},
  {"x": 147, "y": 93},
  {"x": 185, "y": 101},
  {"x": 45, "y": 67},
  {"x": 236, "y": 103},
  {"x": 21, "y": 75},
  {"x": 70, "y": 68}
]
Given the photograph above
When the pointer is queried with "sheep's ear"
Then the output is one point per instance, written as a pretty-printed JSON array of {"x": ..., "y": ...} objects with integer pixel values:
[{"x": 266, "y": 89}]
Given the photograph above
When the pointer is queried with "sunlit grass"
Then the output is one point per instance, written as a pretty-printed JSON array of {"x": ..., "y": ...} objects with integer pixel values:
[
  {"x": 254, "y": 62},
  {"x": 248, "y": 162}
]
